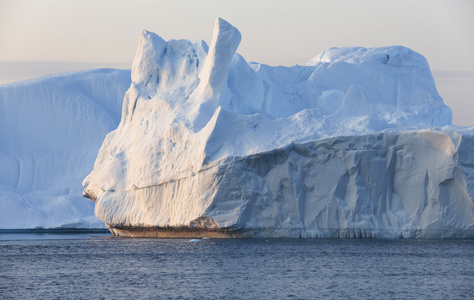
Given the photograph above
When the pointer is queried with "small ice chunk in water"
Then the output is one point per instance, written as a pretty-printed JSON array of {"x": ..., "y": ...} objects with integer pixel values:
[{"x": 195, "y": 241}]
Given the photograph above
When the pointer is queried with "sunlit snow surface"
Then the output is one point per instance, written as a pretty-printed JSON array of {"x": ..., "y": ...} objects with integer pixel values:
[{"x": 357, "y": 143}]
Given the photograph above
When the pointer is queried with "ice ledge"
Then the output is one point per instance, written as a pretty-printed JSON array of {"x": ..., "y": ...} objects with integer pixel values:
[{"x": 409, "y": 184}]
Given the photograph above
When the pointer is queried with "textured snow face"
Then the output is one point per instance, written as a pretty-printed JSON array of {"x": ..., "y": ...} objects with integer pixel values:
[
  {"x": 51, "y": 129},
  {"x": 207, "y": 136}
]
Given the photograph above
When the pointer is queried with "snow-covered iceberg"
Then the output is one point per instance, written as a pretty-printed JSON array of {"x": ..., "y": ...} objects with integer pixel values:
[
  {"x": 51, "y": 129},
  {"x": 357, "y": 143}
]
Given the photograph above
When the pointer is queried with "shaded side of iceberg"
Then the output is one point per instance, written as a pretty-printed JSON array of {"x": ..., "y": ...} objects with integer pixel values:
[{"x": 51, "y": 129}]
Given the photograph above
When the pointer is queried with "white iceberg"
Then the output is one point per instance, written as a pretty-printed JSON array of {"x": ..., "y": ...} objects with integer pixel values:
[
  {"x": 51, "y": 129},
  {"x": 357, "y": 143}
]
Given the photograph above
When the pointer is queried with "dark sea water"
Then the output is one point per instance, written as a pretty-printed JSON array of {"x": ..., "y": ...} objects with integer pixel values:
[{"x": 95, "y": 266}]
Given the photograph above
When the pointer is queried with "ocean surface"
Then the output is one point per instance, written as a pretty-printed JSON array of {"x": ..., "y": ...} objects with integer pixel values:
[{"x": 99, "y": 266}]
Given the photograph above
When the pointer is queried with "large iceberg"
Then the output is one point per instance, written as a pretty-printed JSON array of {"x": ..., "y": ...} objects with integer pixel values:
[
  {"x": 357, "y": 143},
  {"x": 51, "y": 129}
]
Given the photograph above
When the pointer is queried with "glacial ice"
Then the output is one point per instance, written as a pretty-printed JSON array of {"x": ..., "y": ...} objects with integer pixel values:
[
  {"x": 357, "y": 143},
  {"x": 51, "y": 129}
]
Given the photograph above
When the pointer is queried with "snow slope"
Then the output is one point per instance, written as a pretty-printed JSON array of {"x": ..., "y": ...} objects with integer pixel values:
[
  {"x": 50, "y": 131},
  {"x": 356, "y": 143}
]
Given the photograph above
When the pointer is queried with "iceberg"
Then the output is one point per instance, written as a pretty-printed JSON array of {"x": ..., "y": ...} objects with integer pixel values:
[
  {"x": 355, "y": 144},
  {"x": 51, "y": 129}
]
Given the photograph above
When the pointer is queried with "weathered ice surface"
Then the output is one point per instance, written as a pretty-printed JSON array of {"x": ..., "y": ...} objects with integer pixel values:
[{"x": 357, "y": 143}]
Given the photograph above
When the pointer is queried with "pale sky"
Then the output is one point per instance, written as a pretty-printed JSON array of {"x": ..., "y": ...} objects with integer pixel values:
[{"x": 49, "y": 36}]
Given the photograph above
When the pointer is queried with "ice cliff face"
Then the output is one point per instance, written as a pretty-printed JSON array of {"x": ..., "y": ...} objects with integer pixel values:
[
  {"x": 336, "y": 148},
  {"x": 51, "y": 129}
]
